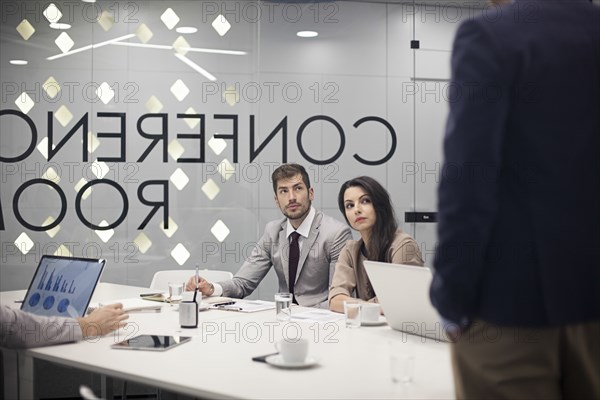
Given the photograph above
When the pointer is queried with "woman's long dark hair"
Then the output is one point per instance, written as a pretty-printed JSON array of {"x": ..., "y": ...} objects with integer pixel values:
[{"x": 384, "y": 230}]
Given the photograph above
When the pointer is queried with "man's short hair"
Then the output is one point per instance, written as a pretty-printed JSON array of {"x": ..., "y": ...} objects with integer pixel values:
[{"x": 288, "y": 171}]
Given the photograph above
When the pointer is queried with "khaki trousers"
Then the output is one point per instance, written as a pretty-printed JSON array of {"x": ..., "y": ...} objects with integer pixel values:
[{"x": 493, "y": 362}]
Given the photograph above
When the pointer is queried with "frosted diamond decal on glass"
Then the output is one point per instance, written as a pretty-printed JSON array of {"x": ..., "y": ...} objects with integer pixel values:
[
  {"x": 43, "y": 147},
  {"x": 217, "y": 145},
  {"x": 105, "y": 235},
  {"x": 181, "y": 45},
  {"x": 25, "y": 29},
  {"x": 179, "y": 90},
  {"x": 51, "y": 232},
  {"x": 142, "y": 242},
  {"x": 64, "y": 42},
  {"x": 175, "y": 149},
  {"x": 179, "y": 179},
  {"x": 221, "y": 25},
  {"x": 51, "y": 87},
  {"x": 210, "y": 189},
  {"x": 220, "y": 230},
  {"x": 143, "y": 33},
  {"x": 231, "y": 96},
  {"x": 226, "y": 169},
  {"x": 169, "y": 18},
  {"x": 191, "y": 122},
  {"x": 106, "y": 21},
  {"x": 63, "y": 115},
  {"x": 93, "y": 142},
  {"x": 24, "y": 103},
  {"x": 78, "y": 187},
  {"x": 180, "y": 254},
  {"x": 105, "y": 93},
  {"x": 100, "y": 169},
  {"x": 172, "y": 228},
  {"x": 63, "y": 251},
  {"x": 24, "y": 243},
  {"x": 154, "y": 105},
  {"x": 52, "y": 13},
  {"x": 51, "y": 175}
]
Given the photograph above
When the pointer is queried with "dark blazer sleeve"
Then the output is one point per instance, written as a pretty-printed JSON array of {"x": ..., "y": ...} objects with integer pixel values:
[{"x": 479, "y": 105}]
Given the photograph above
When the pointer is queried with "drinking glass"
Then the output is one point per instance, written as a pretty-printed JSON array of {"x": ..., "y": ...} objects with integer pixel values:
[
  {"x": 352, "y": 313},
  {"x": 283, "y": 302},
  {"x": 175, "y": 291}
]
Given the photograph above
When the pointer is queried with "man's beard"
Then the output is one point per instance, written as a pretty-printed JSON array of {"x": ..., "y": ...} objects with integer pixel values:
[{"x": 300, "y": 213}]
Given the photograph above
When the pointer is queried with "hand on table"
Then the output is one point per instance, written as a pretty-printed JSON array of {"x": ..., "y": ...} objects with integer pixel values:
[{"x": 103, "y": 320}]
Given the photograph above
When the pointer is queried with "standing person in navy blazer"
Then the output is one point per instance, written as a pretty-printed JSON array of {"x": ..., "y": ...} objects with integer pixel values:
[{"x": 517, "y": 269}]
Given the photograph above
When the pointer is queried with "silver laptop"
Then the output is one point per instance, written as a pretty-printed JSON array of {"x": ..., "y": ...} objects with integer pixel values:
[
  {"x": 403, "y": 292},
  {"x": 63, "y": 286}
]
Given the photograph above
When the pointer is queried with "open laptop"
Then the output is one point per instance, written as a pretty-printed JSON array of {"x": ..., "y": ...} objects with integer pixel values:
[
  {"x": 403, "y": 292},
  {"x": 62, "y": 286}
]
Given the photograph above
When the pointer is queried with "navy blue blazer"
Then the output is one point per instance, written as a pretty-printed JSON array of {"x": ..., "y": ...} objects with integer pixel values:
[{"x": 519, "y": 197}]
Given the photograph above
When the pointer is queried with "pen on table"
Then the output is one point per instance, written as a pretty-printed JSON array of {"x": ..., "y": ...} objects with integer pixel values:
[{"x": 18, "y": 301}]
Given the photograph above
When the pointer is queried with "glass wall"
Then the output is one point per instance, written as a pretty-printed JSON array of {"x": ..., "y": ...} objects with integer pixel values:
[{"x": 127, "y": 115}]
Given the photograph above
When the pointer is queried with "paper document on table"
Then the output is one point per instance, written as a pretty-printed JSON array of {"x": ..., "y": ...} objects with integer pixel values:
[
  {"x": 317, "y": 315},
  {"x": 135, "y": 305},
  {"x": 247, "y": 306}
]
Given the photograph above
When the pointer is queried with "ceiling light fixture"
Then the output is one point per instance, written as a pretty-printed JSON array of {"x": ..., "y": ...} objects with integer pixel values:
[
  {"x": 215, "y": 51},
  {"x": 186, "y": 49},
  {"x": 186, "y": 29},
  {"x": 144, "y": 45},
  {"x": 90, "y": 46},
  {"x": 60, "y": 26},
  {"x": 196, "y": 67},
  {"x": 307, "y": 34},
  {"x": 18, "y": 62}
]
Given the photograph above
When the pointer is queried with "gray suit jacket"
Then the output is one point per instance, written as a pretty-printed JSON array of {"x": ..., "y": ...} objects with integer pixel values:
[
  {"x": 19, "y": 329},
  {"x": 318, "y": 257}
]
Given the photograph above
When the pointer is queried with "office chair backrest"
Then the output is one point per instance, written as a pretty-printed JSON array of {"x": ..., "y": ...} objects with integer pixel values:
[{"x": 161, "y": 279}]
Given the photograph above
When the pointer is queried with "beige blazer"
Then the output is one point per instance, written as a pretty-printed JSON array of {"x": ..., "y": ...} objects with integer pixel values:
[{"x": 350, "y": 276}]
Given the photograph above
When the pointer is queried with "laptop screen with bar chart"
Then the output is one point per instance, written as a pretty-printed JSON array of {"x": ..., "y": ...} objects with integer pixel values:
[{"x": 62, "y": 286}]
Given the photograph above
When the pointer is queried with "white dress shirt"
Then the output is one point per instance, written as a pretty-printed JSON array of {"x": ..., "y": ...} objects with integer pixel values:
[{"x": 303, "y": 230}]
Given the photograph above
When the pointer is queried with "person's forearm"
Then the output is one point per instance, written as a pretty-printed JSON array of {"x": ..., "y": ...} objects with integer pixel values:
[{"x": 337, "y": 303}]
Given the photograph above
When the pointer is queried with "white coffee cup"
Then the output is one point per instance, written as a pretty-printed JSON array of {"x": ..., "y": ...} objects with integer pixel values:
[
  {"x": 293, "y": 351},
  {"x": 370, "y": 312}
]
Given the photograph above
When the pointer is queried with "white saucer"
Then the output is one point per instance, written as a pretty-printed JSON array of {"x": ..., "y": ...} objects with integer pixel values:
[
  {"x": 379, "y": 322},
  {"x": 277, "y": 361}
]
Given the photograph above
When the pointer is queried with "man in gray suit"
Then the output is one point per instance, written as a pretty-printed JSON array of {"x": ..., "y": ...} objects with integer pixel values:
[
  {"x": 19, "y": 329},
  {"x": 303, "y": 247}
]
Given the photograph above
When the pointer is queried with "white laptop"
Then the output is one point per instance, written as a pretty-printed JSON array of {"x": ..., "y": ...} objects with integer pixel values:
[{"x": 403, "y": 292}]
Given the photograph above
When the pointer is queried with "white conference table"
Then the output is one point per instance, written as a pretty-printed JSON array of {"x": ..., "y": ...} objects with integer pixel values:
[{"x": 353, "y": 363}]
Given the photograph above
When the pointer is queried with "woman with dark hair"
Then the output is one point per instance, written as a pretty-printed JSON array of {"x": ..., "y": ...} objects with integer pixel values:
[{"x": 367, "y": 208}]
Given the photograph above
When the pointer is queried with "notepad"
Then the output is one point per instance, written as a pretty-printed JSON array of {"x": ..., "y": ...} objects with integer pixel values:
[
  {"x": 217, "y": 300},
  {"x": 160, "y": 297}
]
